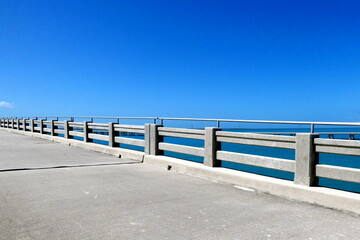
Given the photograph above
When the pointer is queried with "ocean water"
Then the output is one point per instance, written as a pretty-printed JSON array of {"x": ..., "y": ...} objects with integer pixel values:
[{"x": 330, "y": 159}]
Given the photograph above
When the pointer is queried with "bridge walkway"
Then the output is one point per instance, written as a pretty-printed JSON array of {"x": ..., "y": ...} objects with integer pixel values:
[{"x": 54, "y": 191}]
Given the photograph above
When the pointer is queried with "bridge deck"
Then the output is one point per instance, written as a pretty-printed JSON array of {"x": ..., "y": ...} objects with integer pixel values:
[{"x": 95, "y": 196}]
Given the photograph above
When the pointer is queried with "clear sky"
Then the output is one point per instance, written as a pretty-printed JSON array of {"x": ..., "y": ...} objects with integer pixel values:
[{"x": 274, "y": 60}]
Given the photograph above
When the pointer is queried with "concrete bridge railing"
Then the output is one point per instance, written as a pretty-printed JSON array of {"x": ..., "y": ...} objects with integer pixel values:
[{"x": 307, "y": 146}]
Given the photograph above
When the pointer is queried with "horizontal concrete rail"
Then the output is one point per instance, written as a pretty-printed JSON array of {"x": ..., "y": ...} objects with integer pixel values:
[
  {"x": 130, "y": 141},
  {"x": 182, "y": 133},
  {"x": 344, "y": 147},
  {"x": 98, "y": 137},
  {"x": 59, "y": 131},
  {"x": 338, "y": 173},
  {"x": 98, "y": 126},
  {"x": 196, "y": 151},
  {"x": 129, "y": 128},
  {"x": 76, "y": 124},
  {"x": 76, "y": 134},
  {"x": 262, "y": 140},
  {"x": 47, "y": 130},
  {"x": 259, "y": 161},
  {"x": 58, "y": 124}
]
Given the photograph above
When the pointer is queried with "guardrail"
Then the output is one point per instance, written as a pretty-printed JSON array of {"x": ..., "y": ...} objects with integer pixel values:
[
  {"x": 161, "y": 120},
  {"x": 307, "y": 146}
]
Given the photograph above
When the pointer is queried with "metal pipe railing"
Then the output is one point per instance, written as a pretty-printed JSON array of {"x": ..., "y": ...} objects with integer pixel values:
[{"x": 218, "y": 122}]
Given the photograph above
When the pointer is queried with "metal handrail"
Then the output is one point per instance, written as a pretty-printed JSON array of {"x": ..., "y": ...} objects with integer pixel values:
[
  {"x": 265, "y": 121},
  {"x": 217, "y": 121}
]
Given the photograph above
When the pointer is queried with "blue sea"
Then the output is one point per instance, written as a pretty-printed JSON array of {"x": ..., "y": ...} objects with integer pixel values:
[{"x": 330, "y": 159}]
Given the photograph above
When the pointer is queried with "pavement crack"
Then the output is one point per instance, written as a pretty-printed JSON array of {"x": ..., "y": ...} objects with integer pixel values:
[{"x": 66, "y": 166}]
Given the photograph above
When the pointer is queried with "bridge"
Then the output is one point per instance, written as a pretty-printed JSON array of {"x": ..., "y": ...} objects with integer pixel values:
[{"x": 57, "y": 186}]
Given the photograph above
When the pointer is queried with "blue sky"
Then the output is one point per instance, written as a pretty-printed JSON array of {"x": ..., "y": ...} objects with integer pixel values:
[{"x": 272, "y": 60}]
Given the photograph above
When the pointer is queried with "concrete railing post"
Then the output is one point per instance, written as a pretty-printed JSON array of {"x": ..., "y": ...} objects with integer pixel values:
[
  {"x": 306, "y": 159},
  {"x": 152, "y": 139},
  {"x": 32, "y": 125},
  {"x": 18, "y": 124},
  {"x": 52, "y": 125},
  {"x": 86, "y": 131},
  {"x": 24, "y": 124},
  {"x": 12, "y": 123},
  {"x": 112, "y": 142},
  {"x": 66, "y": 129},
  {"x": 147, "y": 139},
  {"x": 211, "y": 146},
  {"x": 41, "y": 126}
]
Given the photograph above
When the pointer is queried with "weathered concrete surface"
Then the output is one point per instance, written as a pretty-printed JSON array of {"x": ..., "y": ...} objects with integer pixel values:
[
  {"x": 18, "y": 152},
  {"x": 327, "y": 197},
  {"x": 140, "y": 201}
]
